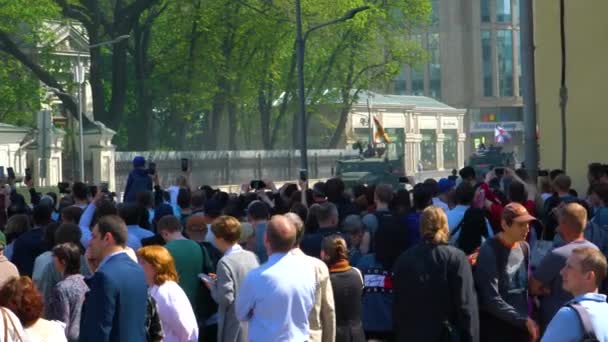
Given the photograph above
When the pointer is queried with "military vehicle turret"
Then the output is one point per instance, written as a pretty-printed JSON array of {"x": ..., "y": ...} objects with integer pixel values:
[{"x": 371, "y": 167}]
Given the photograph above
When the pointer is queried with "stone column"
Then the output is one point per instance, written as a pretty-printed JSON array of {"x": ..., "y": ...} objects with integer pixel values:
[
  {"x": 461, "y": 157},
  {"x": 104, "y": 165},
  {"x": 440, "y": 138},
  {"x": 412, "y": 153},
  {"x": 462, "y": 137},
  {"x": 46, "y": 162},
  {"x": 439, "y": 150},
  {"x": 100, "y": 149}
]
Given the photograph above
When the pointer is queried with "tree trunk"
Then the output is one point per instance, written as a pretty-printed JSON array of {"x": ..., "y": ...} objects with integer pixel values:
[
  {"x": 217, "y": 110},
  {"x": 232, "y": 125},
  {"x": 265, "y": 113},
  {"x": 119, "y": 84},
  {"x": 347, "y": 102},
  {"x": 336, "y": 138},
  {"x": 142, "y": 33}
]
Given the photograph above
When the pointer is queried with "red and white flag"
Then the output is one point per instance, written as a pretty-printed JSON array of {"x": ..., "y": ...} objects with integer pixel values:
[{"x": 501, "y": 136}]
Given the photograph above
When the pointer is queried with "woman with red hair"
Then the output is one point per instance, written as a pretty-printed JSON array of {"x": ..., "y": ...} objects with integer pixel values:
[
  {"x": 23, "y": 299},
  {"x": 175, "y": 311}
]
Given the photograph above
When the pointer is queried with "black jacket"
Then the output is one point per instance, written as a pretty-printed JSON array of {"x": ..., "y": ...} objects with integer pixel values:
[
  {"x": 347, "y": 285},
  {"x": 434, "y": 285},
  {"x": 311, "y": 244}
]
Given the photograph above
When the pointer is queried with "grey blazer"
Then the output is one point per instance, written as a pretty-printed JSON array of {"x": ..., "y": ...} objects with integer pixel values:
[{"x": 231, "y": 272}]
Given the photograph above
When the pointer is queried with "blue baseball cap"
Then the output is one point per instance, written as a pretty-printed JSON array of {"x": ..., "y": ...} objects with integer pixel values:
[
  {"x": 139, "y": 161},
  {"x": 446, "y": 185}
]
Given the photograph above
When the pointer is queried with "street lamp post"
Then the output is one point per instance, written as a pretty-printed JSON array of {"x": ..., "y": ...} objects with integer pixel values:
[
  {"x": 79, "y": 78},
  {"x": 300, "y": 46}
]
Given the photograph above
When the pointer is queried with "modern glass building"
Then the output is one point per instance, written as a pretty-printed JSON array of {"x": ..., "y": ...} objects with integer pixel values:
[{"x": 473, "y": 62}]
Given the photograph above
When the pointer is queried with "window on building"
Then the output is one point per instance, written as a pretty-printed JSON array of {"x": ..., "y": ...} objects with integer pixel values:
[
  {"x": 519, "y": 71},
  {"x": 418, "y": 79},
  {"x": 486, "y": 55},
  {"x": 428, "y": 149},
  {"x": 504, "y": 45},
  {"x": 399, "y": 85},
  {"x": 450, "y": 149},
  {"x": 434, "y": 65},
  {"x": 417, "y": 72},
  {"x": 485, "y": 11},
  {"x": 435, "y": 13},
  {"x": 503, "y": 11}
]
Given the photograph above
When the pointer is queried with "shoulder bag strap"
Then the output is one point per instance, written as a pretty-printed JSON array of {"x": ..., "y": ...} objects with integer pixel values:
[
  {"x": 499, "y": 257},
  {"x": 459, "y": 226},
  {"x": 4, "y": 314},
  {"x": 526, "y": 250},
  {"x": 583, "y": 315},
  {"x": 360, "y": 276}
]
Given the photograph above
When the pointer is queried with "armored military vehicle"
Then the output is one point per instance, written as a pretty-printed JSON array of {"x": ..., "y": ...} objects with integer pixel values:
[
  {"x": 485, "y": 160},
  {"x": 370, "y": 168}
]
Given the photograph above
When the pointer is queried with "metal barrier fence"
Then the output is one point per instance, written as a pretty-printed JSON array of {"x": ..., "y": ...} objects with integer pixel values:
[{"x": 231, "y": 167}]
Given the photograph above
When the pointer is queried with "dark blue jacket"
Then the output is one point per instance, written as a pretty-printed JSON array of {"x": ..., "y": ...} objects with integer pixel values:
[
  {"x": 114, "y": 310},
  {"x": 27, "y": 248},
  {"x": 311, "y": 244},
  {"x": 378, "y": 298},
  {"x": 139, "y": 181}
]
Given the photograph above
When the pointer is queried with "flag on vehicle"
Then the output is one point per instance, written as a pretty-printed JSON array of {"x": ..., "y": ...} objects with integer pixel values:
[
  {"x": 501, "y": 136},
  {"x": 380, "y": 135}
]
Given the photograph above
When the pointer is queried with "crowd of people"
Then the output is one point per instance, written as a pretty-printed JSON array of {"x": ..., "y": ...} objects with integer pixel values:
[{"x": 470, "y": 257}]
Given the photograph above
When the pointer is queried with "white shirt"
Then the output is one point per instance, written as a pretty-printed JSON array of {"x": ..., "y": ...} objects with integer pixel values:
[
  {"x": 46, "y": 331},
  {"x": 175, "y": 312},
  {"x": 210, "y": 237},
  {"x": 173, "y": 192},
  {"x": 234, "y": 249}
]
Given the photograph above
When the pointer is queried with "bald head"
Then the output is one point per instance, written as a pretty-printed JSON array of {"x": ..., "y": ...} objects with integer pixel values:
[{"x": 280, "y": 235}]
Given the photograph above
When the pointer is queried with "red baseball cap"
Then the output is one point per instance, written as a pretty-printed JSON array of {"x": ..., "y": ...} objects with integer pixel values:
[{"x": 515, "y": 212}]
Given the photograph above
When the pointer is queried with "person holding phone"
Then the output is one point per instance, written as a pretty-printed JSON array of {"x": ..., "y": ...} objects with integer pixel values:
[
  {"x": 139, "y": 180},
  {"x": 231, "y": 271}
]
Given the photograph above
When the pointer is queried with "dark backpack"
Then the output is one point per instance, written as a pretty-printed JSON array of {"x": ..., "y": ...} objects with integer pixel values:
[
  {"x": 391, "y": 222},
  {"x": 472, "y": 230},
  {"x": 550, "y": 219},
  {"x": 583, "y": 315}
]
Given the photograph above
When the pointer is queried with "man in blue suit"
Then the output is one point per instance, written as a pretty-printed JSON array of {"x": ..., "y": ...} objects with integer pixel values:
[{"x": 115, "y": 307}]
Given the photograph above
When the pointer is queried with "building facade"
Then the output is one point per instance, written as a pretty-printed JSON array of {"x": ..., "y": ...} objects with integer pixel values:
[
  {"x": 427, "y": 132},
  {"x": 473, "y": 49},
  {"x": 586, "y": 73}
]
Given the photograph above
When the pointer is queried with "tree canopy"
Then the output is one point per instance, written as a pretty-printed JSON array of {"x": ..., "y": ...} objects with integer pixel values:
[{"x": 211, "y": 74}]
